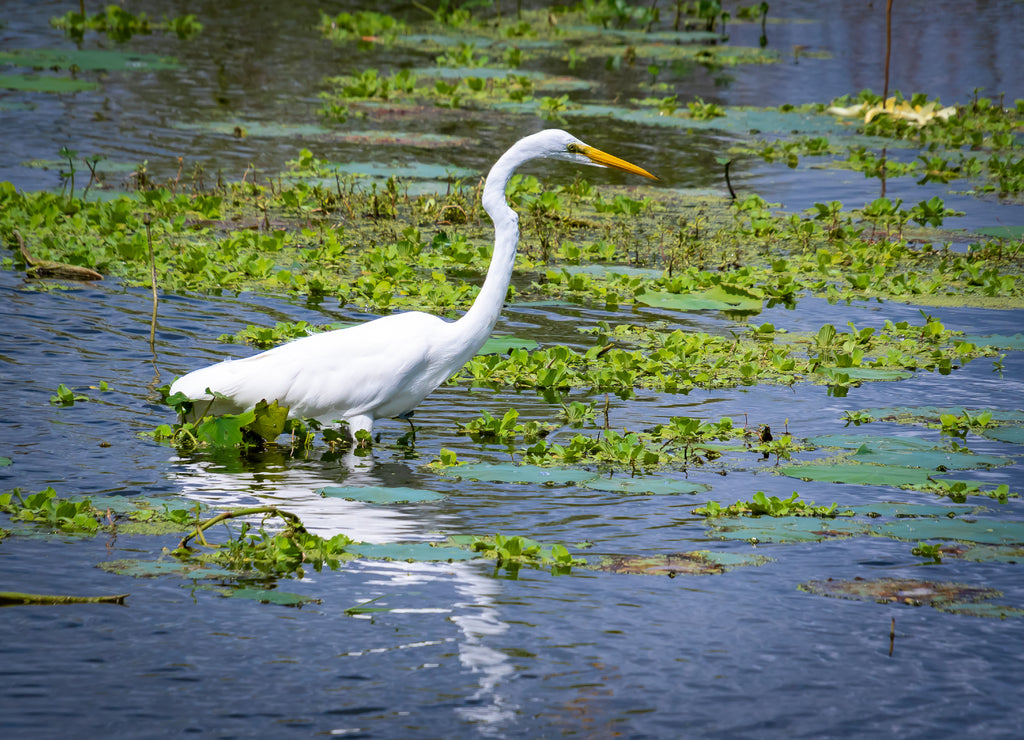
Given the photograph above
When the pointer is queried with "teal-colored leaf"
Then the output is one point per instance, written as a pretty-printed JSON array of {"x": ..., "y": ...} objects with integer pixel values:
[
  {"x": 512, "y": 473},
  {"x": 380, "y": 494},
  {"x": 646, "y": 486},
  {"x": 413, "y": 552}
]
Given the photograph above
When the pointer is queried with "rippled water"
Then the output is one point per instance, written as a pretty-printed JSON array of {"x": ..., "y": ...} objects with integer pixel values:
[{"x": 463, "y": 652}]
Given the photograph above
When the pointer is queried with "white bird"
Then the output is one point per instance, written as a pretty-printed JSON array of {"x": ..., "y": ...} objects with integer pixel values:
[{"x": 385, "y": 367}]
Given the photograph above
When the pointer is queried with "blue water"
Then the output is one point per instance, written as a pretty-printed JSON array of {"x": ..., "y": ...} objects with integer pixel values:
[{"x": 462, "y": 651}]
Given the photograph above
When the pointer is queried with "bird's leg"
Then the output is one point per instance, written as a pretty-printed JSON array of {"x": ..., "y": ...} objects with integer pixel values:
[{"x": 409, "y": 438}]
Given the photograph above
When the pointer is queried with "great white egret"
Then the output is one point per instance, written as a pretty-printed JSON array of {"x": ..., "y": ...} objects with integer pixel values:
[{"x": 385, "y": 367}]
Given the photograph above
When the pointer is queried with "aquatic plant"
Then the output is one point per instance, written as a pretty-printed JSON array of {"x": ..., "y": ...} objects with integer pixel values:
[
  {"x": 513, "y": 552},
  {"x": 120, "y": 25},
  {"x": 764, "y": 505}
]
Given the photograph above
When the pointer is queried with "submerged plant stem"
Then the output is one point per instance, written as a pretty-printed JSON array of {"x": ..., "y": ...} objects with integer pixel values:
[
  {"x": 234, "y": 514},
  {"x": 14, "y": 598}
]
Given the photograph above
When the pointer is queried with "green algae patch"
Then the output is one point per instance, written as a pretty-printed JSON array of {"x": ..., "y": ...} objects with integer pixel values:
[
  {"x": 695, "y": 563},
  {"x": 413, "y": 552},
  {"x": 380, "y": 495},
  {"x": 954, "y": 598}
]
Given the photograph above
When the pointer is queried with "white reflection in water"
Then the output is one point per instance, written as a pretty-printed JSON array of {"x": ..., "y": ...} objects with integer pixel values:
[
  {"x": 297, "y": 489},
  {"x": 472, "y": 609}
]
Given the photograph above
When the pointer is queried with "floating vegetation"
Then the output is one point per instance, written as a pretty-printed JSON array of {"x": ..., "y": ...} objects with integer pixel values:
[
  {"x": 512, "y": 553},
  {"x": 119, "y": 24},
  {"x": 380, "y": 495},
  {"x": 696, "y": 563},
  {"x": 955, "y": 598},
  {"x": 84, "y": 516},
  {"x": 15, "y": 598},
  {"x": 764, "y": 505}
]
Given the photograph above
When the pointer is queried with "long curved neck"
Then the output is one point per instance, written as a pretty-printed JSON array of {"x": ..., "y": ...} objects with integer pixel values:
[{"x": 475, "y": 326}]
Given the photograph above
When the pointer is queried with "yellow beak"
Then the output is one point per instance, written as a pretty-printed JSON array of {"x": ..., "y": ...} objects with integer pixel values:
[{"x": 607, "y": 160}]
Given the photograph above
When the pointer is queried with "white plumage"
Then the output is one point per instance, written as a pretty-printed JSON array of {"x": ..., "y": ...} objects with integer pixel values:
[{"x": 385, "y": 367}]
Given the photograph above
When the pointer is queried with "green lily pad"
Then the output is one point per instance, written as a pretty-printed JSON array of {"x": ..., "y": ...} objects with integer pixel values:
[
  {"x": 935, "y": 459},
  {"x": 154, "y": 568},
  {"x": 647, "y": 486},
  {"x": 411, "y": 552},
  {"x": 1013, "y": 435},
  {"x": 379, "y": 494},
  {"x": 4, "y": 461},
  {"x": 899, "y": 510},
  {"x": 869, "y": 373},
  {"x": 855, "y": 441},
  {"x": 614, "y": 270},
  {"x": 719, "y": 298},
  {"x": 696, "y": 563},
  {"x": 502, "y": 345},
  {"x": 46, "y": 84},
  {"x": 86, "y": 59},
  {"x": 256, "y": 129},
  {"x": 978, "y": 553},
  {"x": 512, "y": 473},
  {"x": 957, "y": 598},
  {"x": 998, "y": 341},
  {"x": 786, "y": 529},
  {"x": 402, "y": 138},
  {"x": 931, "y": 414},
  {"x": 1002, "y": 232},
  {"x": 978, "y": 531},
  {"x": 872, "y": 475}
]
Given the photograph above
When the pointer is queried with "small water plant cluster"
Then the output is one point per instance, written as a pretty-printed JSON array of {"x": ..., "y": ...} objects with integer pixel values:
[
  {"x": 68, "y": 515},
  {"x": 763, "y": 505},
  {"x": 976, "y": 141},
  {"x": 511, "y": 553},
  {"x": 119, "y": 24}
]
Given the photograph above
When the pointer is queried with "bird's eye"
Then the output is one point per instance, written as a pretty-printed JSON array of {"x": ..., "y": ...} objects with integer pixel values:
[{"x": 572, "y": 148}]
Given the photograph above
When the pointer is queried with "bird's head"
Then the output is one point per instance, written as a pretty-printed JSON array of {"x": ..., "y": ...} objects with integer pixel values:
[{"x": 557, "y": 144}]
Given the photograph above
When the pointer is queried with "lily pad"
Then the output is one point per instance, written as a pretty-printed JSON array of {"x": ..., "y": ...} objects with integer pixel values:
[
  {"x": 512, "y": 473},
  {"x": 45, "y": 84},
  {"x": 1013, "y": 435},
  {"x": 872, "y": 475},
  {"x": 379, "y": 494},
  {"x": 614, "y": 270},
  {"x": 86, "y": 59},
  {"x": 998, "y": 341},
  {"x": 935, "y": 459},
  {"x": 787, "y": 529},
  {"x": 696, "y": 563},
  {"x": 978, "y": 553},
  {"x": 957, "y": 598},
  {"x": 870, "y": 373},
  {"x": 719, "y": 298},
  {"x": 256, "y": 129},
  {"x": 979, "y": 531},
  {"x": 412, "y": 552},
  {"x": 154, "y": 568},
  {"x": 855, "y": 441},
  {"x": 502, "y": 345},
  {"x": 648, "y": 486}
]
